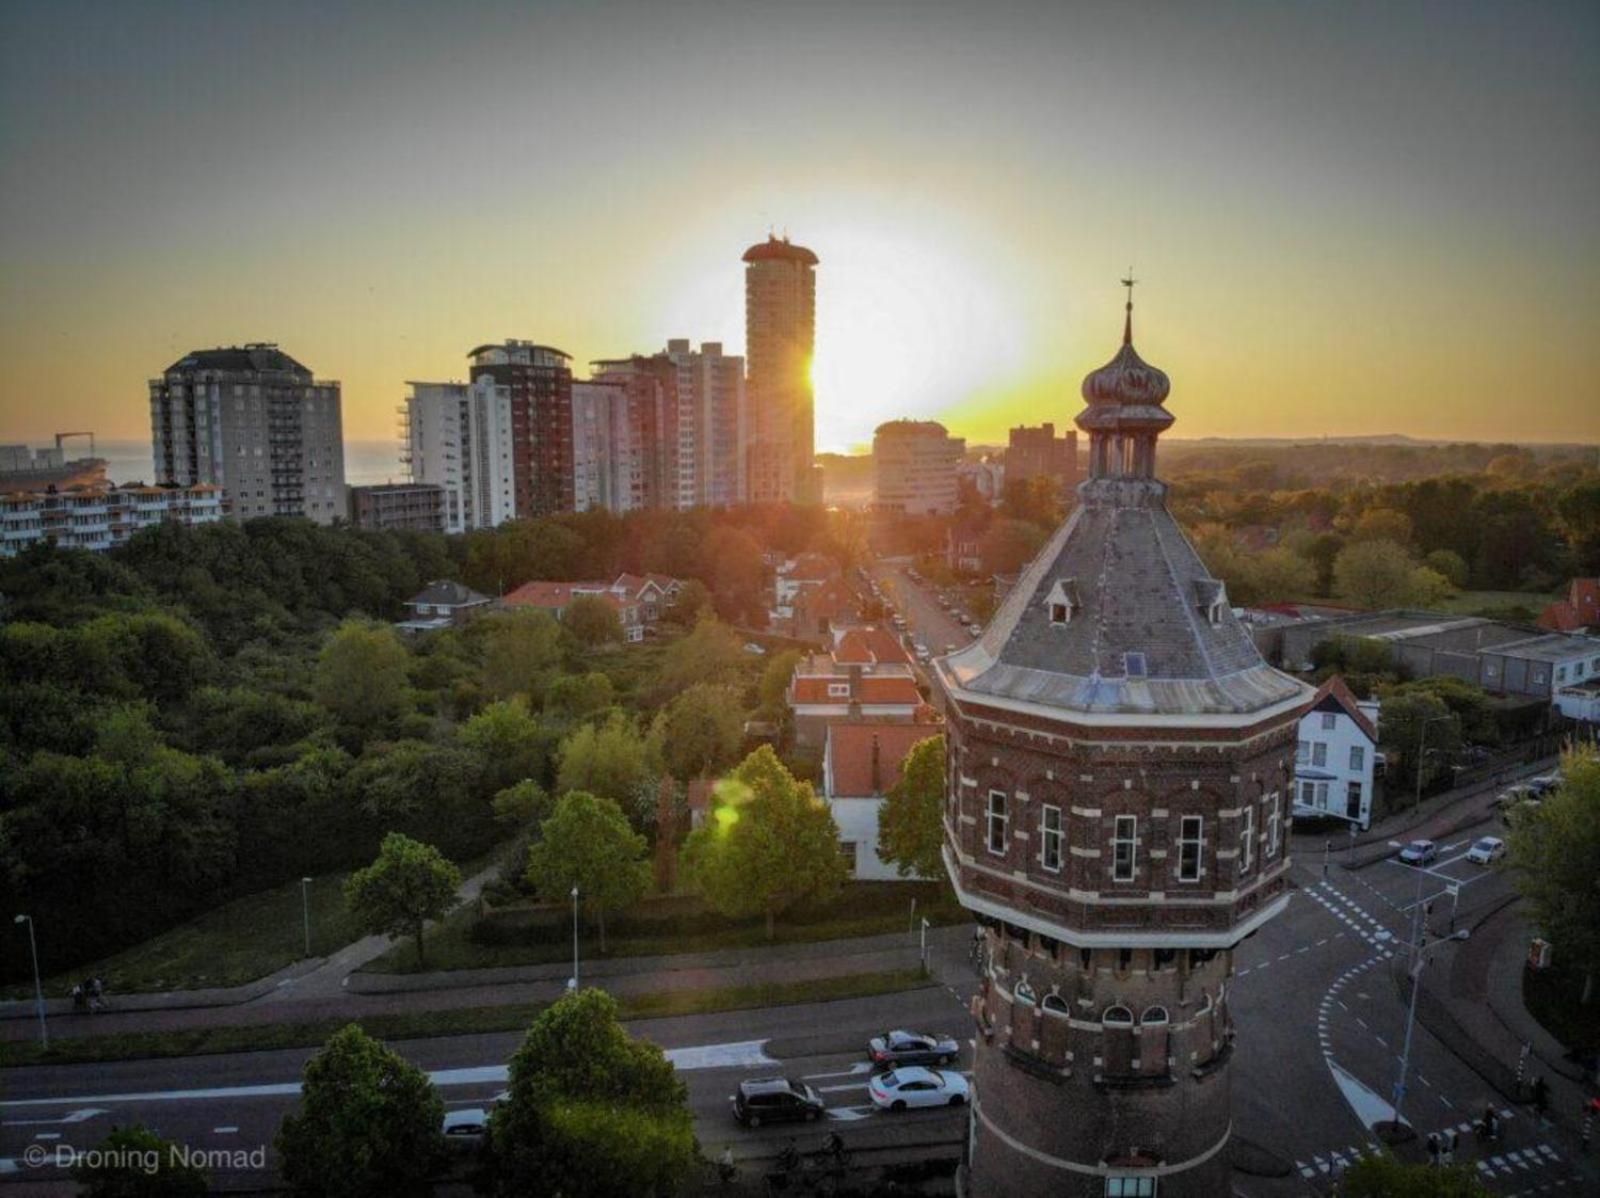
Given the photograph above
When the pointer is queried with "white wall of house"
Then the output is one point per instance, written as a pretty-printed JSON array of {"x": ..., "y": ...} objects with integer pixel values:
[
  {"x": 1333, "y": 767},
  {"x": 858, "y": 826}
]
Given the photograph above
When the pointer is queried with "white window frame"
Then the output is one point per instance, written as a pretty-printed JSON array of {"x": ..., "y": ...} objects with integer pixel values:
[
  {"x": 1319, "y": 752},
  {"x": 1196, "y": 840},
  {"x": 990, "y": 818},
  {"x": 838, "y": 690},
  {"x": 1358, "y": 757},
  {"x": 1050, "y": 838},
  {"x": 1247, "y": 838},
  {"x": 1131, "y": 840},
  {"x": 1330, "y": 721},
  {"x": 1274, "y": 825}
]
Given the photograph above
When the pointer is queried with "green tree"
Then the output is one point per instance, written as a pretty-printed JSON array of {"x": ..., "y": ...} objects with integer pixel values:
[
  {"x": 508, "y": 741},
  {"x": 592, "y": 621},
  {"x": 770, "y": 843},
  {"x": 1383, "y": 524},
  {"x": 1373, "y": 574},
  {"x": 1275, "y": 576},
  {"x": 119, "y": 1168},
  {"x": 521, "y": 649},
  {"x": 588, "y": 843},
  {"x": 521, "y": 807},
  {"x": 1450, "y": 565},
  {"x": 1429, "y": 588},
  {"x": 1008, "y": 545},
  {"x": 1415, "y": 722},
  {"x": 699, "y": 731},
  {"x": 712, "y": 653},
  {"x": 409, "y": 884},
  {"x": 611, "y": 760},
  {"x": 1554, "y": 852},
  {"x": 362, "y": 677},
  {"x": 577, "y": 696},
  {"x": 591, "y": 1105},
  {"x": 692, "y": 602},
  {"x": 1382, "y": 1176},
  {"x": 369, "y": 1124},
  {"x": 910, "y": 824},
  {"x": 773, "y": 689}
]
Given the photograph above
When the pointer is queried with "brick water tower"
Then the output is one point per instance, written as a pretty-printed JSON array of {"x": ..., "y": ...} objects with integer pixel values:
[{"x": 1117, "y": 819}]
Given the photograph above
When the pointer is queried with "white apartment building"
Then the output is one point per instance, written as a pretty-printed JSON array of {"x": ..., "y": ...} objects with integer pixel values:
[
  {"x": 708, "y": 429},
  {"x": 458, "y": 436},
  {"x": 914, "y": 468},
  {"x": 99, "y": 518},
  {"x": 253, "y": 421},
  {"x": 1334, "y": 758}
]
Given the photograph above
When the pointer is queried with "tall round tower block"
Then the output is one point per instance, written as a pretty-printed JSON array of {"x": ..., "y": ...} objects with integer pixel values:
[{"x": 1117, "y": 819}]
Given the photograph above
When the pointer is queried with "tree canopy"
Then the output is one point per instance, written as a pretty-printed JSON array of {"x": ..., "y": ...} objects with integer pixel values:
[
  {"x": 770, "y": 843},
  {"x": 369, "y": 1123},
  {"x": 587, "y": 842},
  {"x": 910, "y": 826},
  {"x": 409, "y": 884}
]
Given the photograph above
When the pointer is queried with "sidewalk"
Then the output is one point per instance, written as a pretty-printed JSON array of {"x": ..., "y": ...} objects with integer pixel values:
[
  {"x": 622, "y": 976},
  {"x": 317, "y": 977}
]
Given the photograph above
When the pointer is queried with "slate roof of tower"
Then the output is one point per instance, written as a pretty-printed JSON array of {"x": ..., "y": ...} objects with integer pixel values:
[{"x": 261, "y": 358}]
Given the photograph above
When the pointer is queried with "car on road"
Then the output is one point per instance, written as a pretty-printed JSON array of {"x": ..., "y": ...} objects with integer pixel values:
[
  {"x": 1544, "y": 784},
  {"x": 776, "y": 1100},
  {"x": 466, "y": 1128},
  {"x": 975, "y": 628},
  {"x": 949, "y": 648},
  {"x": 1419, "y": 852},
  {"x": 914, "y": 1086},
  {"x": 1512, "y": 795},
  {"x": 1488, "y": 849},
  {"x": 901, "y": 1047}
]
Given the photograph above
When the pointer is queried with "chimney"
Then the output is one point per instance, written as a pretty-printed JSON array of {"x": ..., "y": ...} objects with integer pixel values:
[{"x": 877, "y": 769}]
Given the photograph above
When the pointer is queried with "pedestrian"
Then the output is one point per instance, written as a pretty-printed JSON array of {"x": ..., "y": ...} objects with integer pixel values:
[
  {"x": 1434, "y": 1148},
  {"x": 97, "y": 991},
  {"x": 1452, "y": 1141},
  {"x": 726, "y": 1169},
  {"x": 80, "y": 997},
  {"x": 1541, "y": 1099}
]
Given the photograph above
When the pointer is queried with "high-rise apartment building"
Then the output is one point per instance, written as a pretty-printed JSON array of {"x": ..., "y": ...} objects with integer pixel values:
[
  {"x": 1039, "y": 453},
  {"x": 459, "y": 437},
  {"x": 410, "y": 507},
  {"x": 610, "y": 442},
  {"x": 538, "y": 379},
  {"x": 253, "y": 421},
  {"x": 914, "y": 468},
  {"x": 780, "y": 306},
  {"x": 704, "y": 426}
]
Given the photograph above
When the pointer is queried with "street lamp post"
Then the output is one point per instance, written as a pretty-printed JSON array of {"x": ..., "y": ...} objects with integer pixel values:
[
  {"x": 305, "y": 909},
  {"x": 38, "y": 981},
  {"x": 1411, "y": 1019},
  {"x": 574, "y": 938}
]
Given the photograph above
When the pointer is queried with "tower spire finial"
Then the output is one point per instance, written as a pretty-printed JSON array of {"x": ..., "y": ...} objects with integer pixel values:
[{"x": 1127, "y": 324}]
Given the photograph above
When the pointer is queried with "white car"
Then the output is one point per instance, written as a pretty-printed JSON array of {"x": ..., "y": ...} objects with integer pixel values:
[
  {"x": 1487, "y": 850},
  {"x": 465, "y": 1129},
  {"x": 914, "y": 1086}
]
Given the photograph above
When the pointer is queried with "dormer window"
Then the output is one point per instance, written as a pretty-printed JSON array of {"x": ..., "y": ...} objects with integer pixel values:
[
  {"x": 1063, "y": 602},
  {"x": 1211, "y": 597}
]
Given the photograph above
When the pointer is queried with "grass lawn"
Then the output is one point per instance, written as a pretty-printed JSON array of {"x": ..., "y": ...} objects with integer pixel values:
[
  {"x": 236, "y": 943},
  {"x": 1552, "y": 997},
  {"x": 1466, "y": 602},
  {"x": 536, "y": 935},
  {"x": 465, "y": 1021}
]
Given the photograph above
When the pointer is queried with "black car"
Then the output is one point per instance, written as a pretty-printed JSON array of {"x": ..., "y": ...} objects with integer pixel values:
[{"x": 773, "y": 1099}]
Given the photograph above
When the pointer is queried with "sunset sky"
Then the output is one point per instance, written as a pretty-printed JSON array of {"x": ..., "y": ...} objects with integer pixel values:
[{"x": 1348, "y": 218}]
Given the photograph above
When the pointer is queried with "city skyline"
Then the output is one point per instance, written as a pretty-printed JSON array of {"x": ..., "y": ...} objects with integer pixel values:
[{"x": 1350, "y": 222}]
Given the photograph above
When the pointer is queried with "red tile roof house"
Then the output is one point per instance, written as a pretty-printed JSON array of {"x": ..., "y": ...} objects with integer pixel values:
[
  {"x": 791, "y": 577},
  {"x": 554, "y": 598},
  {"x": 653, "y": 592},
  {"x": 876, "y": 650},
  {"x": 820, "y": 699},
  {"x": 860, "y": 763},
  {"x": 1578, "y": 611}
]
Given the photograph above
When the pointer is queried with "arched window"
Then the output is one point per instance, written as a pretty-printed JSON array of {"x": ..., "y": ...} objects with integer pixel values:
[
  {"x": 1154, "y": 1016},
  {"x": 1118, "y": 1016},
  {"x": 1025, "y": 993},
  {"x": 1054, "y": 1002}
]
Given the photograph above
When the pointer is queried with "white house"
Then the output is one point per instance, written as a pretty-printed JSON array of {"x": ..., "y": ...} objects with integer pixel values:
[
  {"x": 860, "y": 764},
  {"x": 1334, "y": 758}
]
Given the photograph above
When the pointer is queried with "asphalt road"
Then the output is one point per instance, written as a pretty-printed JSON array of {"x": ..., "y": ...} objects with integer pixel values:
[{"x": 235, "y": 1102}]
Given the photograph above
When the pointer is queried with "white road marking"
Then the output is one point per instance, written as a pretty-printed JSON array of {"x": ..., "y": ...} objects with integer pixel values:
[
  {"x": 75, "y": 1117},
  {"x": 224, "y": 1131},
  {"x": 855, "y": 1070}
]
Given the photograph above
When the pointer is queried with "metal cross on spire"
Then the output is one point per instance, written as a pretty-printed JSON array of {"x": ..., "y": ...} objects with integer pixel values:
[{"x": 1127, "y": 326}]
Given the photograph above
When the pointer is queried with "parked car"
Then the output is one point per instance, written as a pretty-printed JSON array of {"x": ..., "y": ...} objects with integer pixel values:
[
  {"x": 1544, "y": 784},
  {"x": 775, "y": 1100},
  {"x": 466, "y": 1128},
  {"x": 1512, "y": 795},
  {"x": 914, "y": 1086},
  {"x": 1419, "y": 852},
  {"x": 1486, "y": 850},
  {"x": 901, "y": 1047},
  {"x": 949, "y": 648},
  {"x": 975, "y": 628}
]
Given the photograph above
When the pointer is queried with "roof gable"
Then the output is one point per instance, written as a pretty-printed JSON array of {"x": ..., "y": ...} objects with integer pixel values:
[
  {"x": 1336, "y": 695},
  {"x": 849, "y": 772}
]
